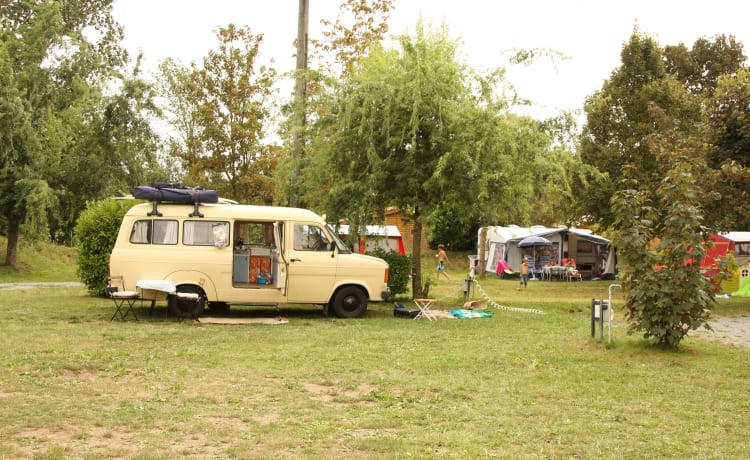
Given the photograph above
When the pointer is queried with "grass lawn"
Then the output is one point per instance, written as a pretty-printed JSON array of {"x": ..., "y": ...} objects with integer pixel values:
[{"x": 517, "y": 385}]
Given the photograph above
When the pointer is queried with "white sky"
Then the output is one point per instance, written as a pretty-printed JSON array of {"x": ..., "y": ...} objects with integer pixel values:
[{"x": 590, "y": 32}]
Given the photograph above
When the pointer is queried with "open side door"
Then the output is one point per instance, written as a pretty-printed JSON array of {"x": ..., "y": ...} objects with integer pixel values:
[{"x": 282, "y": 280}]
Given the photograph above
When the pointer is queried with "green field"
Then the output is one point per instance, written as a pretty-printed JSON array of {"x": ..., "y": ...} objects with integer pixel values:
[{"x": 517, "y": 385}]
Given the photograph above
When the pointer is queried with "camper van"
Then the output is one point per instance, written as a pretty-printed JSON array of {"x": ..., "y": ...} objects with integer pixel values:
[{"x": 224, "y": 254}]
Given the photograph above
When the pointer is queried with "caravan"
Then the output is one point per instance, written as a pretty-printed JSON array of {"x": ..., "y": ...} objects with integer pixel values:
[
  {"x": 592, "y": 253},
  {"x": 246, "y": 255}
]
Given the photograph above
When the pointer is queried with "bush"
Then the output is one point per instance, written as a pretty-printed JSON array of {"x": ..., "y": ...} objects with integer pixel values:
[
  {"x": 96, "y": 231},
  {"x": 399, "y": 271},
  {"x": 660, "y": 239}
]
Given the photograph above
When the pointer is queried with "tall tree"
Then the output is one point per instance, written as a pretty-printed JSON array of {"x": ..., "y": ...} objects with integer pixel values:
[
  {"x": 638, "y": 100},
  {"x": 53, "y": 69},
  {"x": 728, "y": 136},
  {"x": 661, "y": 238},
  {"x": 407, "y": 129},
  {"x": 114, "y": 150},
  {"x": 226, "y": 107},
  {"x": 700, "y": 67}
]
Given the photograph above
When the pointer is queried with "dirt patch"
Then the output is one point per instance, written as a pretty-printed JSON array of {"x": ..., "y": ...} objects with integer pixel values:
[{"x": 730, "y": 330}]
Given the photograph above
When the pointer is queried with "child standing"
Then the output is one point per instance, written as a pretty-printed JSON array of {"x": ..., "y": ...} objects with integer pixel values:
[
  {"x": 524, "y": 279},
  {"x": 442, "y": 258}
]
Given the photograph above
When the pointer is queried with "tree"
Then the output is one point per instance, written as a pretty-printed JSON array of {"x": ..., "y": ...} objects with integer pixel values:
[
  {"x": 700, "y": 68},
  {"x": 115, "y": 149},
  {"x": 728, "y": 135},
  {"x": 53, "y": 72},
  {"x": 660, "y": 239},
  {"x": 361, "y": 24},
  {"x": 222, "y": 119},
  {"x": 407, "y": 129},
  {"x": 638, "y": 100}
]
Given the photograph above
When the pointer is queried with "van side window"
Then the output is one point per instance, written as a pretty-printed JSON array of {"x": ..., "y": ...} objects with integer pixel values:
[
  {"x": 154, "y": 232},
  {"x": 205, "y": 233},
  {"x": 310, "y": 238}
]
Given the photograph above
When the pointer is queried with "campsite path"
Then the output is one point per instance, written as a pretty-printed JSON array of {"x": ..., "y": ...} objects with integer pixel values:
[
  {"x": 21, "y": 286},
  {"x": 731, "y": 330}
]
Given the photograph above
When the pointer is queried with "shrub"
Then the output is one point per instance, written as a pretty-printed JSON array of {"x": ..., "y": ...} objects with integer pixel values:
[
  {"x": 96, "y": 231},
  {"x": 399, "y": 271},
  {"x": 660, "y": 243}
]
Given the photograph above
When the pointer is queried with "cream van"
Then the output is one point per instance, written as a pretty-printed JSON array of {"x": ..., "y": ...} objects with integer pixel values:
[{"x": 244, "y": 255}]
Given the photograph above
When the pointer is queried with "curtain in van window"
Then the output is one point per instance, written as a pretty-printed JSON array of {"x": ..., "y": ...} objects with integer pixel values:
[
  {"x": 205, "y": 233},
  {"x": 165, "y": 232},
  {"x": 188, "y": 233},
  {"x": 140, "y": 232}
]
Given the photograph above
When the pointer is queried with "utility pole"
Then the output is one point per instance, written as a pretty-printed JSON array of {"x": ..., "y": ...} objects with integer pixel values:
[{"x": 300, "y": 96}]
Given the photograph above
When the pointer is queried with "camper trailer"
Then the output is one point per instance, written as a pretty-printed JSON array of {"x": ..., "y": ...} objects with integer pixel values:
[{"x": 230, "y": 254}]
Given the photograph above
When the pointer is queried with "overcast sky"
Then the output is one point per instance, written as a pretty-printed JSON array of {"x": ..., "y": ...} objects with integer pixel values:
[{"x": 590, "y": 32}]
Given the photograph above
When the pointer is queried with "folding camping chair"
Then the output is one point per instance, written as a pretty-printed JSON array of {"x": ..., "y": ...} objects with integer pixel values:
[
  {"x": 532, "y": 268},
  {"x": 121, "y": 297},
  {"x": 573, "y": 273}
]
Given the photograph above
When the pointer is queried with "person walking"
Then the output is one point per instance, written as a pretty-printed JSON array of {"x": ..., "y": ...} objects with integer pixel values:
[
  {"x": 442, "y": 258},
  {"x": 524, "y": 278}
]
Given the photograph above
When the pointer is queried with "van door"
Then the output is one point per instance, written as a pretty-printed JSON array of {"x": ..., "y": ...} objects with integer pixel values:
[
  {"x": 312, "y": 265},
  {"x": 279, "y": 255}
]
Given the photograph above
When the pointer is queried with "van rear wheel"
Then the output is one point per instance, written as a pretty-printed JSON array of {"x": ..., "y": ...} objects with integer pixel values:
[
  {"x": 188, "y": 308},
  {"x": 350, "y": 302}
]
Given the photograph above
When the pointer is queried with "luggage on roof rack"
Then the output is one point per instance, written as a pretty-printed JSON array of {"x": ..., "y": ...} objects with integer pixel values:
[{"x": 175, "y": 193}]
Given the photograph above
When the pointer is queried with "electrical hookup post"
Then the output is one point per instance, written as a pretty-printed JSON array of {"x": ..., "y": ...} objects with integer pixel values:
[
  {"x": 601, "y": 311},
  {"x": 469, "y": 281}
]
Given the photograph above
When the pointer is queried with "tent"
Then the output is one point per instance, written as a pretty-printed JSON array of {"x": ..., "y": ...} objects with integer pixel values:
[
  {"x": 592, "y": 253},
  {"x": 386, "y": 237}
]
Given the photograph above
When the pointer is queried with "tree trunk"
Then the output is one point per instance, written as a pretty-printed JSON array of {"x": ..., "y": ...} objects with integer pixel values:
[
  {"x": 416, "y": 259},
  {"x": 14, "y": 225},
  {"x": 482, "y": 251}
]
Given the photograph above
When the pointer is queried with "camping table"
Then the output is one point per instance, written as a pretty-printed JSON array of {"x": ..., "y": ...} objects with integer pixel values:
[
  {"x": 165, "y": 286},
  {"x": 558, "y": 271},
  {"x": 424, "y": 308}
]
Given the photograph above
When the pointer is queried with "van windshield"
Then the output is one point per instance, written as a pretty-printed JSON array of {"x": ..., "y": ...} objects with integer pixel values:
[{"x": 343, "y": 249}]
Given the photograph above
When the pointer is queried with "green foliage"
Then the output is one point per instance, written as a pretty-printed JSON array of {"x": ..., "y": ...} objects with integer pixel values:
[
  {"x": 413, "y": 128},
  {"x": 701, "y": 67},
  {"x": 398, "y": 271},
  {"x": 96, "y": 232},
  {"x": 660, "y": 245},
  {"x": 63, "y": 141},
  {"x": 639, "y": 101},
  {"x": 220, "y": 112},
  {"x": 728, "y": 134},
  {"x": 453, "y": 226}
]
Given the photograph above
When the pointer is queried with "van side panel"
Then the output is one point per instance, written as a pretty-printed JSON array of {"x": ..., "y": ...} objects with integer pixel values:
[{"x": 164, "y": 247}]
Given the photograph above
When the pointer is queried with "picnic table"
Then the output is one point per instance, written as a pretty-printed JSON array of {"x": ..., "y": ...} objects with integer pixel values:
[{"x": 554, "y": 272}]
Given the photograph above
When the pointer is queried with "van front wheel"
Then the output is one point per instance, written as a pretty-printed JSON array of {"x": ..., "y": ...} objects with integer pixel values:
[{"x": 350, "y": 302}]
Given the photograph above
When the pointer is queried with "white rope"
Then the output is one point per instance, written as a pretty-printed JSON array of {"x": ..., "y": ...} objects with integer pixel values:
[{"x": 505, "y": 307}]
